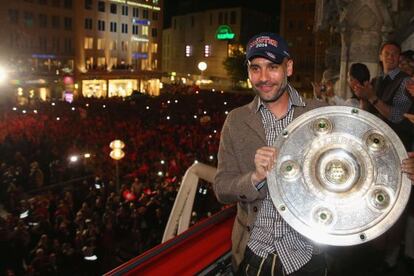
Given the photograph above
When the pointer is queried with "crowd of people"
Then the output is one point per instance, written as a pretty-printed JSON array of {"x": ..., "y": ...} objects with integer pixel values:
[{"x": 66, "y": 216}]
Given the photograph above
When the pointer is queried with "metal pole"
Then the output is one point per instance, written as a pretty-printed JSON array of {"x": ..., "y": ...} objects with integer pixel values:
[{"x": 117, "y": 175}]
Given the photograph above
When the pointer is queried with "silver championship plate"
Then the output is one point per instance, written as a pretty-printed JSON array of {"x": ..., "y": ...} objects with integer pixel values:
[{"x": 337, "y": 179}]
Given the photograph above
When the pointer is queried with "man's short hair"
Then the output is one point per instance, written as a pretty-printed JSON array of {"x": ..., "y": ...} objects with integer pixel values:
[
  {"x": 390, "y": 42},
  {"x": 360, "y": 72}
]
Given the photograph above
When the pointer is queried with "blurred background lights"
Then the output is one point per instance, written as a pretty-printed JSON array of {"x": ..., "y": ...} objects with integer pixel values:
[
  {"x": 87, "y": 155},
  {"x": 73, "y": 158},
  {"x": 3, "y": 74}
]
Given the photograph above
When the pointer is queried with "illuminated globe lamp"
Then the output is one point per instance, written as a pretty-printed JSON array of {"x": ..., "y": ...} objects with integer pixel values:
[
  {"x": 117, "y": 154},
  {"x": 202, "y": 66}
]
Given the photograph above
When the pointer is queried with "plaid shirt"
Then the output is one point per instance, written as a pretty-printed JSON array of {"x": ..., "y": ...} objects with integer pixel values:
[
  {"x": 402, "y": 101},
  {"x": 270, "y": 232}
]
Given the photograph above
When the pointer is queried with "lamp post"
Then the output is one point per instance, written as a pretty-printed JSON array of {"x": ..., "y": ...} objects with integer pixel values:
[
  {"x": 117, "y": 154},
  {"x": 202, "y": 66}
]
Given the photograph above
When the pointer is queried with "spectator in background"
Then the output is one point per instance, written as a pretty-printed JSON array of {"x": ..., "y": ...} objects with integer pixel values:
[
  {"x": 387, "y": 95},
  {"x": 358, "y": 75},
  {"x": 406, "y": 63}
]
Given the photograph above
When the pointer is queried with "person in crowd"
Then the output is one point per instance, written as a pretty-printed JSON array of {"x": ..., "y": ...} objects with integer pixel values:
[
  {"x": 406, "y": 62},
  {"x": 263, "y": 243},
  {"x": 325, "y": 89},
  {"x": 358, "y": 75},
  {"x": 387, "y": 94}
]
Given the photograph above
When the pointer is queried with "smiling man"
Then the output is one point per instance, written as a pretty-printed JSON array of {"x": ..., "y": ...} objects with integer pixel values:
[{"x": 263, "y": 243}]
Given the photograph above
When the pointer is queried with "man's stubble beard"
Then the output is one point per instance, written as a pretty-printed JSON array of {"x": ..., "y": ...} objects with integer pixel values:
[{"x": 279, "y": 93}]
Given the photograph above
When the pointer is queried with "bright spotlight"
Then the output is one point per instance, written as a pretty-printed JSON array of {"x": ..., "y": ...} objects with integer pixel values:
[{"x": 73, "y": 158}]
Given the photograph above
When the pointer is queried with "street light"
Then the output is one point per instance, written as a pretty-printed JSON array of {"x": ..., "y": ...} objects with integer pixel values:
[
  {"x": 202, "y": 66},
  {"x": 117, "y": 154}
]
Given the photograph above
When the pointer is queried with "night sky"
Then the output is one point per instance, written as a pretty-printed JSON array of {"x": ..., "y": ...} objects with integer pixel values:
[{"x": 176, "y": 7}]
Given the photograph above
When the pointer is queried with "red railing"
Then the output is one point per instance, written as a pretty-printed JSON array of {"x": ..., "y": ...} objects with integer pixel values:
[{"x": 188, "y": 253}]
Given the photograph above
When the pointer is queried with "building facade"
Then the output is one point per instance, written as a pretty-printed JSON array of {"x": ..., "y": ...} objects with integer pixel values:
[
  {"x": 118, "y": 47},
  {"x": 91, "y": 48},
  {"x": 209, "y": 37},
  {"x": 308, "y": 48},
  {"x": 37, "y": 45}
]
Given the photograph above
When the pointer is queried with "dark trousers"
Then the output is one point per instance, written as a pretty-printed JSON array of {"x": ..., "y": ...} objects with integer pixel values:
[{"x": 271, "y": 265}]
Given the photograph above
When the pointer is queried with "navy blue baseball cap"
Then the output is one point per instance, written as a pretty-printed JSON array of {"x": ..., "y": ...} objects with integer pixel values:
[{"x": 269, "y": 46}]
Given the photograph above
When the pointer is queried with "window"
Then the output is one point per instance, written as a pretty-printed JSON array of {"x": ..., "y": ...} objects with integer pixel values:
[
  {"x": 124, "y": 10},
  {"x": 144, "y": 47},
  {"x": 100, "y": 43},
  {"x": 42, "y": 20},
  {"x": 88, "y": 4},
  {"x": 89, "y": 62},
  {"x": 135, "y": 12},
  {"x": 14, "y": 16},
  {"x": 124, "y": 46},
  {"x": 68, "y": 23},
  {"x": 134, "y": 29},
  {"x": 88, "y": 43},
  {"x": 101, "y": 25},
  {"x": 134, "y": 46},
  {"x": 154, "y": 32},
  {"x": 28, "y": 19},
  {"x": 101, "y": 6},
  {"x": 207, "y": 50},
  {"x": 101, "y": 62},
  {"x": 233, "y": 17},
  {"x": 124, "y": 28},
  {"x": 144, "y": 30},
  {"x": 145, "y": 14},
  {"x": 188, "y": 50},
  {"x": 112, "y": 45},
  {"x": 155, "y": 16},
  {"x": 67, "y": 4},
  {"x": 55, "y": 22},
  {"x": 154, "y": 48},
  {"x": 88, "y": 23},
  {"x": 112, "y": 27},
  {"x": 113, "y": 8}
]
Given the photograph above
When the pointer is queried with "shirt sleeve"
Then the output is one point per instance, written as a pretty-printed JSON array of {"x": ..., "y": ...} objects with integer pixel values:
[{"x": 401, "y": 103}]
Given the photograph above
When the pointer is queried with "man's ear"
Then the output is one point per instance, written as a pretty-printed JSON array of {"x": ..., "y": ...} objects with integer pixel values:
[{"x": 289, "y": 67}]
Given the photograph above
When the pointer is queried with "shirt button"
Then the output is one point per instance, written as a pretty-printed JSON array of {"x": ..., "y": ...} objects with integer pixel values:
[{"x": 254, "y": 209}]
